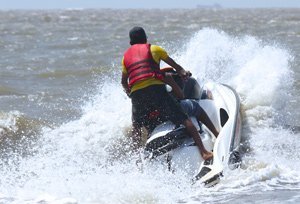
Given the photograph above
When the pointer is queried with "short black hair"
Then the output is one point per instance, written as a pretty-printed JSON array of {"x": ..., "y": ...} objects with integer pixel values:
[{"x": 137, "y": 35}]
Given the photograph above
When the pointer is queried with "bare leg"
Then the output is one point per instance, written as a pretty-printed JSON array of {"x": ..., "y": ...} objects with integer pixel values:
[
  {"x": 203, "y": 117},
  {"x": 193, "y": 108},
  {"x": 194, "y": 133}
]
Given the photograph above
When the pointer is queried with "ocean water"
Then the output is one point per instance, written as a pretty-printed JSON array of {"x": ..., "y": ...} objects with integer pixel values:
[{"x": 64, "y": 118}]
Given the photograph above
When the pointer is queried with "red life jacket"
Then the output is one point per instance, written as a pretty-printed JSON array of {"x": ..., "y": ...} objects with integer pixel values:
[{"x": 140, "y": 64}]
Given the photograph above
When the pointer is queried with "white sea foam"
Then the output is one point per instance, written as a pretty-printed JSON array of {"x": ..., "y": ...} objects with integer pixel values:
[
  {"x": 262, "y": 76},
  {"x": 8, "y": 121}
]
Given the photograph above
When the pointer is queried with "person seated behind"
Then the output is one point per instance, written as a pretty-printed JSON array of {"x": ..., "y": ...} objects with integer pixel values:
[
  {"x": 144, "y": 83},
  {"x": 184, "y": 91}
]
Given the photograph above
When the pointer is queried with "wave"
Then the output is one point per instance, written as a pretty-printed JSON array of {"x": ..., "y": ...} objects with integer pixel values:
[
  {"x": 5, "y": 91},
  {"x": 18, "y": 134},
  {"x": 263, "y": 77}
]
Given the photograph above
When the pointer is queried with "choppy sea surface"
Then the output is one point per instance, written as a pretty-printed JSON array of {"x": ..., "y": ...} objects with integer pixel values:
[{"x": 64, "y": 117}]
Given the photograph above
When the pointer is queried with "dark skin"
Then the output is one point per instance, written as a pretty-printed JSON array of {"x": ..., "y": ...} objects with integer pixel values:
[
  {"x": 178, "y": 93},
  {"x": 176, "y": 90},
  {"x": 191, "y": 129}
]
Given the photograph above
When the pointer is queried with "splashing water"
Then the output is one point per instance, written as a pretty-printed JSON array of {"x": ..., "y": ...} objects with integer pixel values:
[{"x": 78, "y": 161}]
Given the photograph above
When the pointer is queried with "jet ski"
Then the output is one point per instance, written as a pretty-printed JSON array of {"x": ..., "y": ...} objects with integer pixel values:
[{"x": 172, "y": 145}]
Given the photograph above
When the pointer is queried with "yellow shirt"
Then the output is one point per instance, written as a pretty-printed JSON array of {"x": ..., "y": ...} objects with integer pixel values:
[{"x": 158, "y": 53}]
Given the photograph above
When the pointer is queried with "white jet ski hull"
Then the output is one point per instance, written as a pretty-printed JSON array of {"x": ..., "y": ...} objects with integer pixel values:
[{"x": 172, "y": 145}]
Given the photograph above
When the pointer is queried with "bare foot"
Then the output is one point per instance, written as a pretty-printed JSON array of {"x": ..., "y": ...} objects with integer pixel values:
[{"x": 207, "y": 155}]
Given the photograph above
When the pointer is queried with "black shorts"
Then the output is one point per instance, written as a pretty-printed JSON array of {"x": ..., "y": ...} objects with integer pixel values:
[{"x": 153, "y": 105}]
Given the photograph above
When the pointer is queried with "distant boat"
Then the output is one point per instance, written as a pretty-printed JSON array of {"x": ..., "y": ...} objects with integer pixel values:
[{"x": 213, "y": 6}]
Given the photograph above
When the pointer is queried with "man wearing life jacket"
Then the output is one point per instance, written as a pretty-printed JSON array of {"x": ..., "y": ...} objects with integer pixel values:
[{"x": 143, "y": 81}]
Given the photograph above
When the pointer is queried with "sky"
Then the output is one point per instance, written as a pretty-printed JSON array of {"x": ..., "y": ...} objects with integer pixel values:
[{"x": 120, "y": 4}]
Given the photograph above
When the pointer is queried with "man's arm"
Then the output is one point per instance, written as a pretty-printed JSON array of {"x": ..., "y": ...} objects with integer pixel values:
[
  {"x": 182, "y": 73},
  {"x": 124, "y": 82},
  {"x": 168, "y": 79}
]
